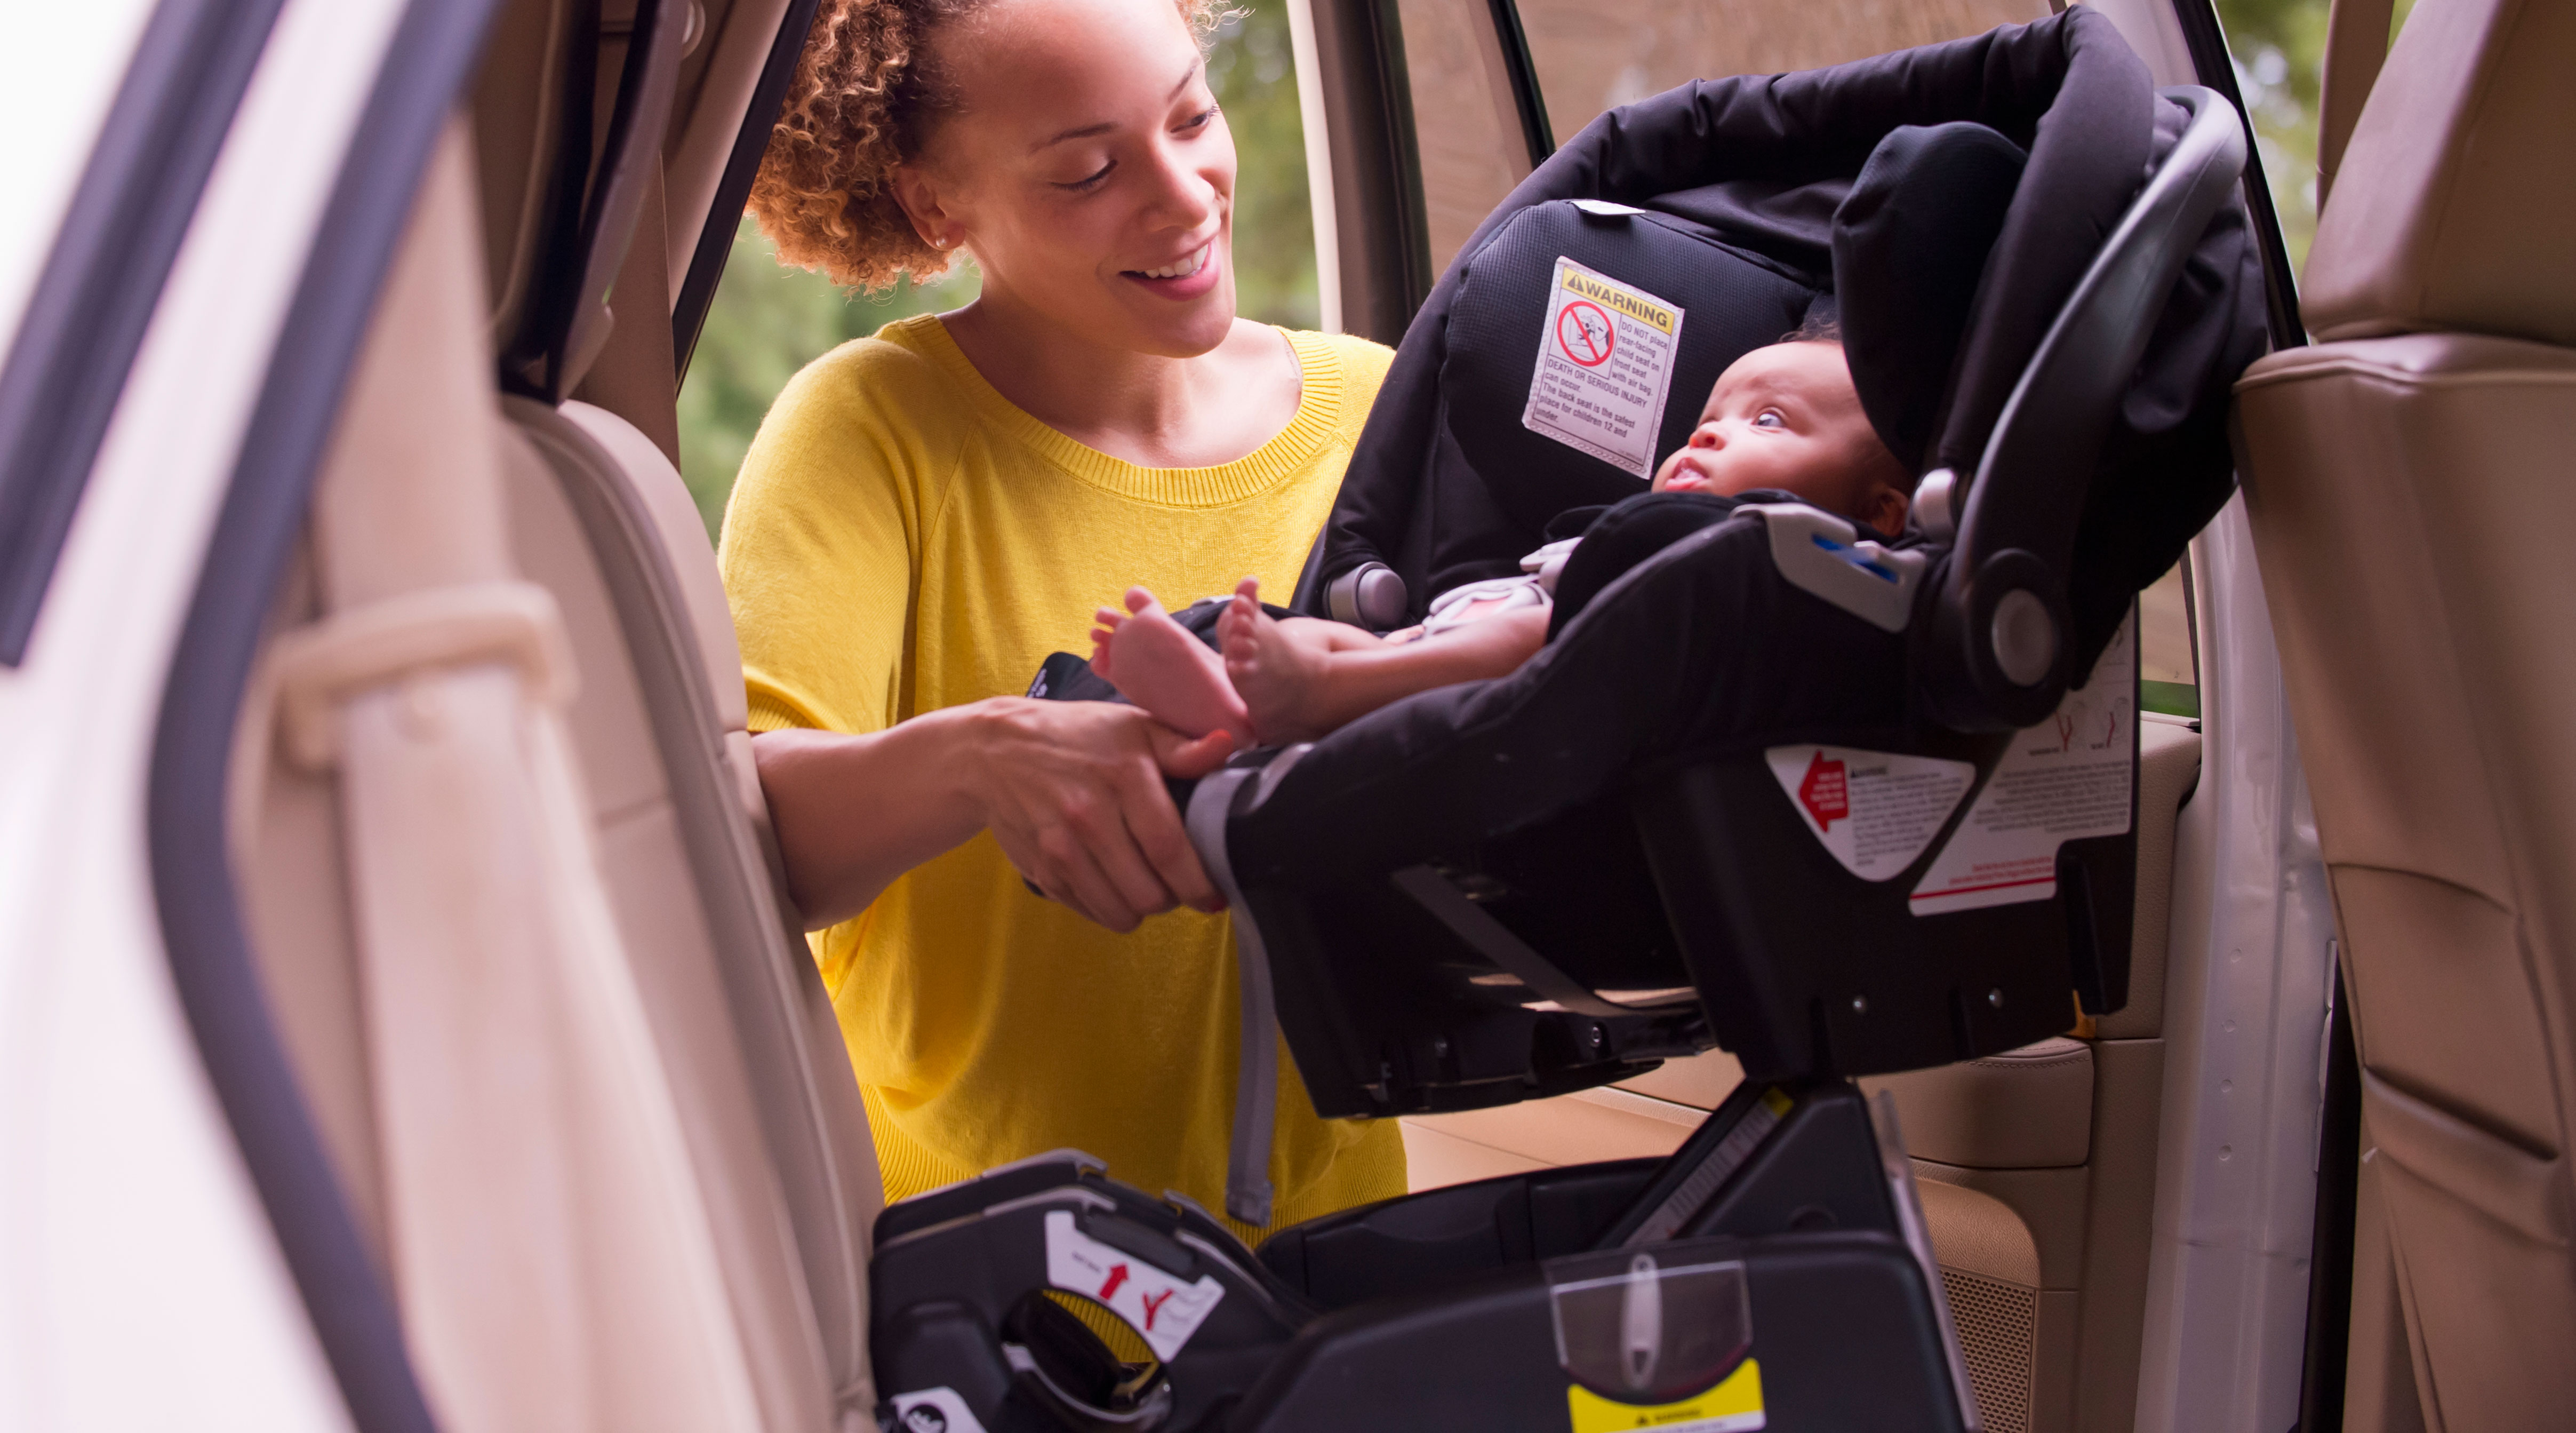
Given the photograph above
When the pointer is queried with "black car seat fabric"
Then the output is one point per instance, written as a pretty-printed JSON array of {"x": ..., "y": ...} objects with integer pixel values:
[
  {"x": 1748, "y": 177},
  {"x": 1700, "y": 647},
  {"x": 1910, "y": 244}
]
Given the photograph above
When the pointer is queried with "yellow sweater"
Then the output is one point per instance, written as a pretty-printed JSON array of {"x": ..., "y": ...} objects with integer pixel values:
[{"x": 903, "y": 539}]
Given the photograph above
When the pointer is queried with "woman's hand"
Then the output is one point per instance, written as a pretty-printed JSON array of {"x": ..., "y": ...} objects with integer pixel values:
[
  {"x": 1072, "y": 790},
  {"x": 1074, "y": 793}
]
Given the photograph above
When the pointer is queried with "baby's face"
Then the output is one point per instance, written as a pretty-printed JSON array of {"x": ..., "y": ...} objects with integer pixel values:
[{"x": 1787, "y": 417}]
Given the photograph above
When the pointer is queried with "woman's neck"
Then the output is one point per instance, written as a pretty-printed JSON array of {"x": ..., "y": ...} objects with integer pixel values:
[{"x": 1150, "y": 409}]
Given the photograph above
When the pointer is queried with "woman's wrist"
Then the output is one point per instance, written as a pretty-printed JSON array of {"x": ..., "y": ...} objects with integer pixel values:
[{"x": 967, "y": 742}]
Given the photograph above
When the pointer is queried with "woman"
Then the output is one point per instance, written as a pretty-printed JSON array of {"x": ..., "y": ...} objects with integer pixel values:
[{"x": 927, "y": 514}]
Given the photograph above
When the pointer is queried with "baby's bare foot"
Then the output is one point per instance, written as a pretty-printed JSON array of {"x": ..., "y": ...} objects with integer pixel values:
[
  {"x": 1275, "y": 674},
  {"x": 1154, "y": 662}
]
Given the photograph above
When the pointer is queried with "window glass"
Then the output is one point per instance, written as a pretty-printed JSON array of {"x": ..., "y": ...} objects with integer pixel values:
[
  {"x": 1467, "y": 130},
  {"x": 1594, "y": 55}
]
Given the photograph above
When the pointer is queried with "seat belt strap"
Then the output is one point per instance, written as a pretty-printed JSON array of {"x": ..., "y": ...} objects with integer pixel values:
[{"x": 1256, "y": 1077}]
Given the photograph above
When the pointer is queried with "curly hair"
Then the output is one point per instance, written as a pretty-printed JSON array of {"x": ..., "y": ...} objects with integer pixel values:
[{"x": 862, "y": 101}]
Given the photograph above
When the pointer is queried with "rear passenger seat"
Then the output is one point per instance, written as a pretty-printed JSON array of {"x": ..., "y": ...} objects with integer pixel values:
[{"x": 583, "y": 1086}]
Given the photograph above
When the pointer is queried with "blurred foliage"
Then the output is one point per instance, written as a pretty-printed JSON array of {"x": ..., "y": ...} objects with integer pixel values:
[
  {"x": 2278, "y": 46},
  {"x": 769, "y": 320}
]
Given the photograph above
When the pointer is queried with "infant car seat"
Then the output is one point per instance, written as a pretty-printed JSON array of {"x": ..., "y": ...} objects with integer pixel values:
[{"x": 1842, "y": 806}]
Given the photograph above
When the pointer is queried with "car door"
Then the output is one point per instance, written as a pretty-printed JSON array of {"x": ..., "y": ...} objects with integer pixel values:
[
  {"x": 2085, "y": 1200},
  {"x": 406, "y": 1026}
]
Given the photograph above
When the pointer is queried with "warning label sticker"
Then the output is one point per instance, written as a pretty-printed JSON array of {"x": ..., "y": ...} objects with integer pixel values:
[
  {"x": 1605, "y": 366},
  {"x": 1874, "y": 810},
  {"x": 1733, "y": 1406},
  {"x": 2064, "y": 780},
  {"x": 1161, "y": 1309}
]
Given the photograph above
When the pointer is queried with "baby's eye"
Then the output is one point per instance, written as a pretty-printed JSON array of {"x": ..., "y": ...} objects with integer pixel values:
[{"x": 1769, "y": 418}]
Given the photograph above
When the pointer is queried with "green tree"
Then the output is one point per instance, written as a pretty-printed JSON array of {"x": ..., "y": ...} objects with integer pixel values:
[{"x": 2279, "y": 47}]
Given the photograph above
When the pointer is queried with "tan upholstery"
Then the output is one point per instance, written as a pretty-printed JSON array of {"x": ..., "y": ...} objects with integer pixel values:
[
  {"x": 557, "y": 1243},
  {"x": 1990, "y": 1274},
  {"x": 2168, "y": 772},
  {"x": 563, "y": 1040},
  {"x": 623, "y": 543},
  {"x": 2456, "y": 209},
  {"x": 2030, "y": 1108},
  {"x": 2390, "y": 480},
  {"x": 2426, "y": 672}
]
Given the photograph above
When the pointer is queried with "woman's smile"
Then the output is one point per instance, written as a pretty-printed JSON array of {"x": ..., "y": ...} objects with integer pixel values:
[{"x": 1187, "y": 277}]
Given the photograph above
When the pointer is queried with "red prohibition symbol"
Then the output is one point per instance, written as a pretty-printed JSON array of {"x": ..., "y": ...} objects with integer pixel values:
[{"x": 1583, "y": 331}]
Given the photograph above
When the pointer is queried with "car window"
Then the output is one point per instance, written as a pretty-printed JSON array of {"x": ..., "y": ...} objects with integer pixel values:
[
  {"x": 58, "y": 74},
  {"x": 1466, "y": 124},
  {"x": 1593, "y": 55}
]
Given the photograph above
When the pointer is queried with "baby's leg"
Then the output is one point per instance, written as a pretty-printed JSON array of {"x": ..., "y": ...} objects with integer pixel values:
[
  {"x": 1280, "y": 667},
  {"x": 1154, "y": 662},
  {"x": 1303, "y": 678}
]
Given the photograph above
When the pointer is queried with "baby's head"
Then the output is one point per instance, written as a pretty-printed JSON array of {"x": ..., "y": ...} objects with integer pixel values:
[{"x": 1787, "y": 417}]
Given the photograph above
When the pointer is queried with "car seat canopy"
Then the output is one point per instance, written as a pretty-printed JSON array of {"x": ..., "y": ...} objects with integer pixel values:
[{"x": 1737, "y": 194}]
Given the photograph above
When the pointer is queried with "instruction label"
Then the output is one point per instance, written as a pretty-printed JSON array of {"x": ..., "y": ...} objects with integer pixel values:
[
  {"x": 2064, "y": 780},
  {"x": 1605, "y": 366},
  {"x": 1733, "y": 1406},
  {"x": 1162, "y": 1309},
  {"x": 1874, "y": 810}
]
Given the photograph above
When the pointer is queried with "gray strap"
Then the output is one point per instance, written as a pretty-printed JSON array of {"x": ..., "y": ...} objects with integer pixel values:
[
  {"x": 1493, "y": 940},
  {"x": 1256, "y": 1079}
]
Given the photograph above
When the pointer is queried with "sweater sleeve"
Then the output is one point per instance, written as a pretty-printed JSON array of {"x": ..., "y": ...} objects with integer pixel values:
[{"x": 822, "y": 539}]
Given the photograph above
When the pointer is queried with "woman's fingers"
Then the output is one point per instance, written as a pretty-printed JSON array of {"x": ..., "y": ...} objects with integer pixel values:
[
  {"x": 1157, "y": 823},
  {"x": 1074, "y": 793},
  {"x": 1055, "y": 858}
]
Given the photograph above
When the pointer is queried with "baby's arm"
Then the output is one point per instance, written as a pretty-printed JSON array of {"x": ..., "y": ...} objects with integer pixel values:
[{"x": 1302, "y": 678}]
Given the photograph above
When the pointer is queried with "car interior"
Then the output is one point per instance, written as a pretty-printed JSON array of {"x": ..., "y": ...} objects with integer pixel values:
[{"x": 521, "y": 931}]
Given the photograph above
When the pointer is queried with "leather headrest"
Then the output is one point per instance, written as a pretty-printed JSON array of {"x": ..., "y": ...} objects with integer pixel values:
[{"x": 2455, "y": 207}]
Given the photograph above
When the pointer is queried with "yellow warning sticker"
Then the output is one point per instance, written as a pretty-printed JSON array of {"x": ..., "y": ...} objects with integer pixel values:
[
  {"x": 1733, "y": 1406},
  {"x": 1605, "y": 368},
  {"x": 1619, "y": 296}
]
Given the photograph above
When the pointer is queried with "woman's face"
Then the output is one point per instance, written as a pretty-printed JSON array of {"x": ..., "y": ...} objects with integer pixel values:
[{"x": 1087, "y": 167}]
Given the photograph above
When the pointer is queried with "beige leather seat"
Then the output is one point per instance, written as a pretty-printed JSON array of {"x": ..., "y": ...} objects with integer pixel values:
[
  {"x": 504, "y": 857},
  {"x": 2399, "y": 475}
]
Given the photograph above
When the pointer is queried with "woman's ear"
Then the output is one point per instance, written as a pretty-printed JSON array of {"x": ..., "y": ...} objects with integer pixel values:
[{"x": 919, "y": 193}]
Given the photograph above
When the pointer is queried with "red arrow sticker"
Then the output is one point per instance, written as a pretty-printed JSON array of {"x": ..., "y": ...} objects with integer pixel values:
[{"x": 1825, "y": 792}]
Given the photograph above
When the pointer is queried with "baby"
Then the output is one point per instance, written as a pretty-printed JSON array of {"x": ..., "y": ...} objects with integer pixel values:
[{"x": 1783, "y": 418}]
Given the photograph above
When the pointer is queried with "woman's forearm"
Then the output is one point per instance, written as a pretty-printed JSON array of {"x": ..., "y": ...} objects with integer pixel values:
[
  {"x": 1072, "y": 791},
  {"x": 854, "y": 812}
]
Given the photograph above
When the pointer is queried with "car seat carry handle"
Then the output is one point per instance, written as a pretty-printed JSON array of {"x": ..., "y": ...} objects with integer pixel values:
[{"x": 2002, "y": 643}]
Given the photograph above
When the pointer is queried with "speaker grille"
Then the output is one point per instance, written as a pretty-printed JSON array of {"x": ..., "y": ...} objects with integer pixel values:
[{"x": 1999, "y": 1334}]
